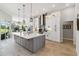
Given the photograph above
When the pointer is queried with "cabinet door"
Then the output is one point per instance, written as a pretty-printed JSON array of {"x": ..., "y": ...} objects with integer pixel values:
[
  {"x": 30, "y": 44},
  {"x": 51, "y": 27},
  {"x": 53, "y": 22},
  {"x": 46, "y": 35},
  {"x": 38, "y": 43},
  {"x": 52, "y": 32},
  {"x": 22, "y": 41},
  {"x": 26, "y": 43},
  {"x": 48, "y": 21},
  {"x": 16, "y": 38}
]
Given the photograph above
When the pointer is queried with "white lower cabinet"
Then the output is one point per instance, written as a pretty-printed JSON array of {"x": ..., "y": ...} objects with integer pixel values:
[
  {"x": 53, "y": 36},
  {"x": 48, "y": 36}
]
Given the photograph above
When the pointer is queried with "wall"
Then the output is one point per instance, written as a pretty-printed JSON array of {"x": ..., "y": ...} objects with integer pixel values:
[
  {"x": 77, "y": 42},
  {"x": 68, "y": 14}
]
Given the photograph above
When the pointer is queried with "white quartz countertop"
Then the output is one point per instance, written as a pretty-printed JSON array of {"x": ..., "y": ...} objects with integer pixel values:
[{"x": 26, "y": 35}]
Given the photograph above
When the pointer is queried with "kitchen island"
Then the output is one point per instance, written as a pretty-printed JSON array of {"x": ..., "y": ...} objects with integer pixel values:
[{"x": 32, "y": 42}]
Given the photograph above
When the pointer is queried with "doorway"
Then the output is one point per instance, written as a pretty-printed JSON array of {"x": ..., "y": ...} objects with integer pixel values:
[{"x": 68, "y": 32}]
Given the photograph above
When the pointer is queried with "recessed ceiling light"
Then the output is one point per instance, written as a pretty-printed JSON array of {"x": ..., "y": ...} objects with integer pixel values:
[
  {"x": 67, "y": 5},
  {"x": 53, "y": 5}
]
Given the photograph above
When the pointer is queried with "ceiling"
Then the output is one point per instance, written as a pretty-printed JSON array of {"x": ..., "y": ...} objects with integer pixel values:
[{"x": 37, "y": 8}]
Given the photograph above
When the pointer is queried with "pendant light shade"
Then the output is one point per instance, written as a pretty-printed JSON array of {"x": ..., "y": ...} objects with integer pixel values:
[
  {"x": 31, "y": 19},
  {"x": 18, "y": 13},
  {"x": 23, "y": 11}
]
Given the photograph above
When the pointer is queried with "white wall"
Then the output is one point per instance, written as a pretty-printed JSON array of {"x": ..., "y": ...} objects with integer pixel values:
[
  {"x": 68, "y": 14},
  {"x": 77, "y": 42}
]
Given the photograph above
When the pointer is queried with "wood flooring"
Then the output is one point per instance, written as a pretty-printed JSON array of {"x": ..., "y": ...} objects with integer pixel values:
[
  {"x": 58, "y": 49},
  {"x": 9, "y": 47}
]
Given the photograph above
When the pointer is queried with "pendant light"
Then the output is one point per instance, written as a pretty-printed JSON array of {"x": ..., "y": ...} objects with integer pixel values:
[
  {"x": 31, "y": 20},
  {"x": 19, "y": 15},
  {"x": 23, "y": 13}
]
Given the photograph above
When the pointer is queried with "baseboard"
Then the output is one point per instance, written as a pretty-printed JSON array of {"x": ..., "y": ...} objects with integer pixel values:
[
  {"x": 68, "y": 39},
  {"x": 53, "y": 41}
]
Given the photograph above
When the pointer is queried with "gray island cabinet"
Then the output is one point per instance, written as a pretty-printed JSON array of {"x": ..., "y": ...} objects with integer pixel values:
[{"x": 32, "y": 42}]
